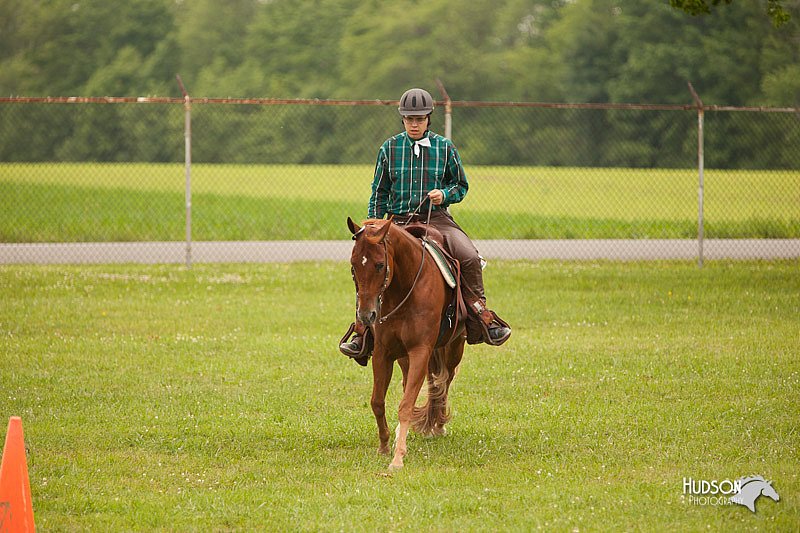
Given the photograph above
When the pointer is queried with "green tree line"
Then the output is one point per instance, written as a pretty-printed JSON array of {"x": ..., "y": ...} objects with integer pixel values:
[{"x": 487, "y": 50}]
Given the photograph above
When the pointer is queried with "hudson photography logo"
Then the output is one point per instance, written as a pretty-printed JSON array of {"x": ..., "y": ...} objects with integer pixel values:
[{"x": 743, "y": 491}]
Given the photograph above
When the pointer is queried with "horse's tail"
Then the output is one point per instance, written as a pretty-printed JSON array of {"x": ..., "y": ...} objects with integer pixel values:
[{"x": 430, "y": 418}]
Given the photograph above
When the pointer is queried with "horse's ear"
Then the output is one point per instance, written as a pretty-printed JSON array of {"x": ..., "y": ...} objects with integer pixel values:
[{"x": 354, "y": 228}]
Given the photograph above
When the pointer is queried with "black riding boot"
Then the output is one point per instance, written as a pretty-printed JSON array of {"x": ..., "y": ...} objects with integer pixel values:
[
  {"x": 359, "y": 346},
  {"x": 491, "y": 328},
  {"x": 353, "y": 347}
]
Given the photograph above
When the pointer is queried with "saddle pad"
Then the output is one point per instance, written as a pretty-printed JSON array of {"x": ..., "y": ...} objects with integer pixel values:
[{"x": 441, "y": 262}]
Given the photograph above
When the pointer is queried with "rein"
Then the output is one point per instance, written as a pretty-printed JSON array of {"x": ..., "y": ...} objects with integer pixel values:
[{"x": 416, "y": 278}]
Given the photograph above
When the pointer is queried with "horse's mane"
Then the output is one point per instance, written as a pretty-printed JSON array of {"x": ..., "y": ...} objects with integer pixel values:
[{"x": 746, "y": 480}]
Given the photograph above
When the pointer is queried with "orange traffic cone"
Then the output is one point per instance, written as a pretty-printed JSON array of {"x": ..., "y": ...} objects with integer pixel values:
[{"x": 16, "y": 508}]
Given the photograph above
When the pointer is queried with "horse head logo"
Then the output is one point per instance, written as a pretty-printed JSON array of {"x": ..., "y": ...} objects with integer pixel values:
[{"x": 751, "y": 489}]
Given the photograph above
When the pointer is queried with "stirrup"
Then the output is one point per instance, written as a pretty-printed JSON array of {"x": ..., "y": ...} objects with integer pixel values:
[
  {"x": 501, "y": 334},
  {"x": 496, "y": 322},
  {"x": 366, "y": 345},
  {"x": 478, "y": 329}
]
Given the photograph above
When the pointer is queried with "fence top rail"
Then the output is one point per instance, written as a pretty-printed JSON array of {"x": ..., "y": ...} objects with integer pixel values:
[
  {"x": 194, "y": 100},
  {"x": 90, "y": 100},
  {"x": 333, "y": 102}
]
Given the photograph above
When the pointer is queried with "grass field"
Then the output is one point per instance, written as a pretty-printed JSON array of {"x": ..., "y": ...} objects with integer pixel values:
[
  {"x": 144, "y": 202},
  {"x": 156, "y": 398}
]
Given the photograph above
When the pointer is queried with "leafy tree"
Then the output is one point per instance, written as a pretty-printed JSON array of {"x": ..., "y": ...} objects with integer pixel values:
[
  {"x": 210, "y": 33},
  {"x": 586, "y": 40},
  {"x": 528, "y": 50},
  {"x": 296, "y": 46},
  {"x": 53, "y": 47},
  {"x": 525, "y": 66},
  {"x": 782, "y": 87},
  {"x": 775, "y": 8},
  {"x": 392, "y": 46}
]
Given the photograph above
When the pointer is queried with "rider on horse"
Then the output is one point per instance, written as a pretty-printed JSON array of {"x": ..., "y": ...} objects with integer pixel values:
[{"x": 412, "y": 167}]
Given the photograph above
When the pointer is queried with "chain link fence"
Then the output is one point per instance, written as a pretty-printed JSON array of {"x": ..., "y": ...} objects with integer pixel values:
[{"x": 107, "y": 180}]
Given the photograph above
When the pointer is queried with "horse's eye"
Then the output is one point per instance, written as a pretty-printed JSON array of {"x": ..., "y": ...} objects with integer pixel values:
[{"x": 379, "y": 267}]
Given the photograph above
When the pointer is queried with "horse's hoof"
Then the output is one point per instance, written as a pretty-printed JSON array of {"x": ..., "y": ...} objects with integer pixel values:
[
  {"x": 384, "y": 450},
  {"x": 394, "y": 467},
  {"x": 439, "y": 431}
]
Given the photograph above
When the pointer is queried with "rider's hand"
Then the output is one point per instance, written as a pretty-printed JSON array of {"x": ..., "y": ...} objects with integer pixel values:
[{"x": 436, "y": 196}]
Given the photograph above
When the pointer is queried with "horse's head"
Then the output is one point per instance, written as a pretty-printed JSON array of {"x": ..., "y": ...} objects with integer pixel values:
[
  {"x": 769, "y": 491},
  {"x": 751, "y": 488},
  {"x": 372, "y": 266}
]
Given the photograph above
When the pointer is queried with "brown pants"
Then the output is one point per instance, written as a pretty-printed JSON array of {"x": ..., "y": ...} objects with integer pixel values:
[{"x": 461, "y": 248}]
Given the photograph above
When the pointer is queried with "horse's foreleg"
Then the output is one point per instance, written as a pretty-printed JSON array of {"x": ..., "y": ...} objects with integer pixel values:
[
  {"x": 417, "y": 372},
  {"x": 381, "y": 377}
]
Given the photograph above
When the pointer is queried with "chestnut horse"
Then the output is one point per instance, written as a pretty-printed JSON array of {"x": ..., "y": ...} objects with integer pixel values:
[{"x": 403, "y": 298}]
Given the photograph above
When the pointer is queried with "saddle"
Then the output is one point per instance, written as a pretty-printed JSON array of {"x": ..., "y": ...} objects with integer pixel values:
[
  {"x": 455, "y": 316},
  {"x": 458, "y": 312}
]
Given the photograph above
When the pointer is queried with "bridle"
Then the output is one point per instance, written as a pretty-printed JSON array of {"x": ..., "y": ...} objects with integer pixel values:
[{"x": 387, "y": 274}]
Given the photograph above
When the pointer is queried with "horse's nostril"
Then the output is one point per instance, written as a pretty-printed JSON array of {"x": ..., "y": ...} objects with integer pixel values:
[{"x": 368, "y": 317}]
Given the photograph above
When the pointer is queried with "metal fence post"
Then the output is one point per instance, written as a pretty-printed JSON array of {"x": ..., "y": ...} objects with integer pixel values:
[
  {"x": 448, "y": 111},
  {"x": 187, "y": 134},
  {"x": 700, "y": 165}
]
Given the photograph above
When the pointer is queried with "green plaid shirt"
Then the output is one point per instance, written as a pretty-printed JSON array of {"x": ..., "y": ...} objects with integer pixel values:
[{"x": 402, "y": 180}]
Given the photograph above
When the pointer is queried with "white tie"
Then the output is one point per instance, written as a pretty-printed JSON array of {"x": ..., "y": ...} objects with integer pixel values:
[{"x": 422, "y": 142}]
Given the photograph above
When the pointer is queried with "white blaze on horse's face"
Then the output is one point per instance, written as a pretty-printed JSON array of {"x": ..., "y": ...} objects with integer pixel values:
[{"x": 364, "y": 260}]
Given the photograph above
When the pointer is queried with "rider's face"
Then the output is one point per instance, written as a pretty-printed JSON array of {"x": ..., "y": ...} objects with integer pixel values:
[{"x": 415, "y": 126}]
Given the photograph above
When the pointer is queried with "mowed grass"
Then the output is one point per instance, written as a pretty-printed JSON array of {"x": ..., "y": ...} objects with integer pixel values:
[
  {"x": 156, "y": 398},
  {"x": 144, "y": 202}
]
